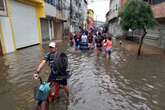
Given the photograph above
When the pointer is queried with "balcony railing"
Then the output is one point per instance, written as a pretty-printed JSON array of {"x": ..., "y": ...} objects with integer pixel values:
[
  {"x": 56, "y": 3},
  {"x": 154, "y": 2}
]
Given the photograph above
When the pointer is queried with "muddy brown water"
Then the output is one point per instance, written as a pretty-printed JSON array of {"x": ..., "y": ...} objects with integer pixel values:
[{"x": 122, "y": 83}]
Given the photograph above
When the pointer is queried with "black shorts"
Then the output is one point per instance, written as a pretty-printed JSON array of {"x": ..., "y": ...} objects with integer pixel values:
[{"x": 62, "y": 82}]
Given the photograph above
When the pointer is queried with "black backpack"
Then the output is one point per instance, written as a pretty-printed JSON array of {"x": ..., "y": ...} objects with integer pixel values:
[{"x": 60, "y": 65}]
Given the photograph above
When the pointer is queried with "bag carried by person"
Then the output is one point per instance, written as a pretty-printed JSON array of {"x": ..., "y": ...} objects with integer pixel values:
[
  {"x": 60, "y": 66},
  {"x": 43, "y": 91}
]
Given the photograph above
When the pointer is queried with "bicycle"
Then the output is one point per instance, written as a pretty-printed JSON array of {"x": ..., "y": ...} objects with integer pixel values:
[{"x": 47, "y": 92}]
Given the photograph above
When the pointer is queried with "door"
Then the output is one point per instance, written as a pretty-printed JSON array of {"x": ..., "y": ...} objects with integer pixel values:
[
  {"x": 58, "y": 29},
  {"x": 25, "y": 24}
]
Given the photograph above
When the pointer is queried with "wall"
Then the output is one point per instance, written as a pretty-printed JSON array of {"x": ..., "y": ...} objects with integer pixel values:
[
  {"x": 114, "y": 9},
  {"x": 7, "y": 34},
  {"x": 115, "y": 28},
  {"x": 159, "y": 10}
]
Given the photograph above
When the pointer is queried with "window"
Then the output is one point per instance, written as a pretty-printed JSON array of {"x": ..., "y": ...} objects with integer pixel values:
[
  {"x": 56, "y": 3},
  {"x": 2, "y": 7},
  {"x": 157, "y": 1},
  {"x": 153, "y": 2},
  {"x": 3, "y": 11}
]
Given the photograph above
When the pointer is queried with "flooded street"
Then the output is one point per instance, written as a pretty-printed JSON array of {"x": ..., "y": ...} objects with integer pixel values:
[{"x": 125, "y": 82}]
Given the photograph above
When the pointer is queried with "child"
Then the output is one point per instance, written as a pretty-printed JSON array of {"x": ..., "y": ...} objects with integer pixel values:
[{"x": 108, "y": 47}]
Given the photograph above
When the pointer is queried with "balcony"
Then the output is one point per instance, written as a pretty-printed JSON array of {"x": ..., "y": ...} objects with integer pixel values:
[
  {"x": 52, "y": 11},
  {"x": 55, "y": 3},
  {"x": 159, "y": 10}
]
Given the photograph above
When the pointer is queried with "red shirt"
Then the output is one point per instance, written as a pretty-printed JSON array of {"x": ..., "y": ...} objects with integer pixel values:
[{"x": 109, "y": 44}]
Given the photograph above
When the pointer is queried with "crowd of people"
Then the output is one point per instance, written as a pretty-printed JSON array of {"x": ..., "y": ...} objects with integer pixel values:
[{"x": 98, "y": 40}]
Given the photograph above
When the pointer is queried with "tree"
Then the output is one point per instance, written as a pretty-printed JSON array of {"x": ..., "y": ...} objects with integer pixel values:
[{"x": 137, "y": 14}]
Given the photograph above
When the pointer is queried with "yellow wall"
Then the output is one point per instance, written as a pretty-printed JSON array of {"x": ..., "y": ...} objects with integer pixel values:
[
  {"x": 90, "y": 13},
  {"x": 39, "y": 4},
  {"x": 2, "y": 40}
]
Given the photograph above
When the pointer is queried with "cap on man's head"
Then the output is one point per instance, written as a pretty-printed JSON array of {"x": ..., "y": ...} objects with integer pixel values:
[{"x": 52, "y": 44}]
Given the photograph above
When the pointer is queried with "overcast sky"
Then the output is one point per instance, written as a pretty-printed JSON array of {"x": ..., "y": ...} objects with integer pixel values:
[{"x": 100, "y": 8}]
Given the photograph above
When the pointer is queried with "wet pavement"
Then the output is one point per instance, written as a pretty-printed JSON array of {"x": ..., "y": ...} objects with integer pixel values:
[{"x": 124, "y": 82}]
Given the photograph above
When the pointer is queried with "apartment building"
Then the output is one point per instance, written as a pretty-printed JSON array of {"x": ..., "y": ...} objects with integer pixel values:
[
  {"x": 28, "y": 22},
  {"x": 52, "y": 26},
  {"x": 156, "y": 36},
  {"x": 113, "y": 18},
  {"x": 78, "y": 14}
]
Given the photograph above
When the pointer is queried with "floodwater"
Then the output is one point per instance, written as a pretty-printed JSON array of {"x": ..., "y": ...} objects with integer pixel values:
[{"x": 124, "y": 82}]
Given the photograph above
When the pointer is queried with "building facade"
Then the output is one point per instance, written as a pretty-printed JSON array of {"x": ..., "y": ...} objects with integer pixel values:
[
  {"x": 52, "y": 26},
  {"x": 156, "y": 36},
  {"x": 78, "y": 14},
  {"x": 28, "y": 22},
  {"x": 20, "y": 26},
  {"x": 113, "y": 18}
]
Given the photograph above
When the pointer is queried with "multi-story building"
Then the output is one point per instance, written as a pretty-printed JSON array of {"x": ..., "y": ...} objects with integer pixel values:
[
  {"x": 113, "y": 18},
  {"x": 52, "y": 26},
  {"x": 27, "y": 22},
  {"x": 78, "y": 14},
  {"x": 20, "y": 23},
  {"x": 71, "y": 14},
  {"x": 156, "y": 36},
  {"x": 83, "y": 13}
]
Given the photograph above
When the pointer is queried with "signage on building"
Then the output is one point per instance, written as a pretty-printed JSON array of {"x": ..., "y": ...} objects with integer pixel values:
[{"x": 3, "y": 11}]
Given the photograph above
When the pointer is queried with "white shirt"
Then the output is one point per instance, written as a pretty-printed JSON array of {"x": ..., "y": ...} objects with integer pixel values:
[{"x": 84, "y": 38}]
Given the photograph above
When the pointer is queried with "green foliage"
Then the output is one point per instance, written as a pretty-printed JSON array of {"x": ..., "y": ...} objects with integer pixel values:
[{"x": 137, "y": 15}]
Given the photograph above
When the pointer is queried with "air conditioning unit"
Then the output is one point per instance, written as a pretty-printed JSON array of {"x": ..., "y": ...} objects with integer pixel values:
[{"x": 3, "y": 9}]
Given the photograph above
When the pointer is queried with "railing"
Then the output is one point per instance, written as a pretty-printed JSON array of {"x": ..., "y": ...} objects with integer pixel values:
[
  {"x": 56, "y": 3},
  {"x": 154, "y": 2}
]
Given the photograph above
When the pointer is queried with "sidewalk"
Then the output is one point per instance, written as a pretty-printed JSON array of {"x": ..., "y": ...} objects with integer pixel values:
[{"x": 132, "y": 46}]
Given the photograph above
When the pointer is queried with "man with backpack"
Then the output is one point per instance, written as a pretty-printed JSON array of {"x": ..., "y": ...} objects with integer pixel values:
[{"x": 58, "y": 63}]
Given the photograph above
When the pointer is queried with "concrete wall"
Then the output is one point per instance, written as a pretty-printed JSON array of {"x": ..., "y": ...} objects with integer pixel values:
[
  {"x": 159, "y": 10},
  {"x": 53, "y": 12},
  {"x": 115, "y": 28},
  {"x": 114, "y": 9},
  {"x": 162, "y": 34},
  {"x": 156, "y": 36}
]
